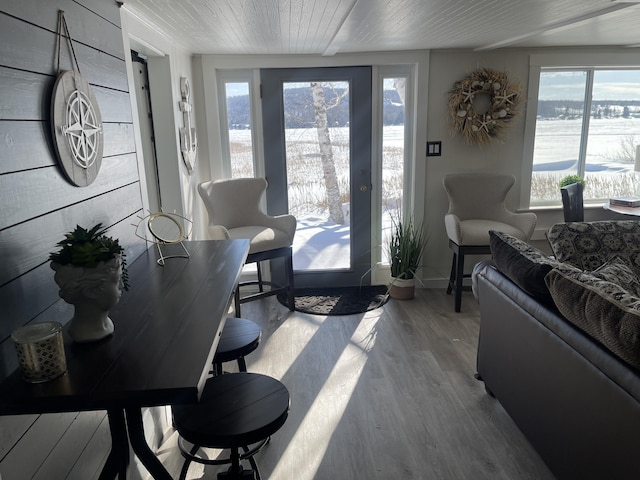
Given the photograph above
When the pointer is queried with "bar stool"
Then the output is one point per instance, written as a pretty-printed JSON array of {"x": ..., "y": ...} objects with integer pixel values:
[
  {"x": 235, "y": 210},
  {"x": 239, "y": 338},
  {"x": 476, "y": 206},
  {"x": 236, "y": 411}
]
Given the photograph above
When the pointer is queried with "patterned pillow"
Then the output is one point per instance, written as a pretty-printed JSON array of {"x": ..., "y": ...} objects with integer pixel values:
[
  {"x": 588, "y": 245},
  {"x": 523, "y": 264},
  {"x": 617, "y": 270},
  {"x": 603, "y": 310}
]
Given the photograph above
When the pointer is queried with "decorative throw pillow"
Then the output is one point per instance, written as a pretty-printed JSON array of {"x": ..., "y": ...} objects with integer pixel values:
[
  {"x": 588, "y": 245},
  {"x": 523, "y": 264},
  {"x": 617, "y": 270},
  {"x": 603, "y": 310}
]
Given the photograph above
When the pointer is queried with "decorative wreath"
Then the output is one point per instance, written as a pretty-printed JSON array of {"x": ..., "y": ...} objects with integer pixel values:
[{"x": 480, "y": 127}]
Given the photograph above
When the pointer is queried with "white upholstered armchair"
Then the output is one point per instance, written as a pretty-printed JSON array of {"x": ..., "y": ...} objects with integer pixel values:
[
  {"x": 233, "y": 207},
  {"x": 477, "y": 205}
]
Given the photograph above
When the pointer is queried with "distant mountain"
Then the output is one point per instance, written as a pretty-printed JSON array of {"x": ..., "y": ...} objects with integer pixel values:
[
  {"x": 299, "y": 111},
  {"x": 599, "y": 108}
]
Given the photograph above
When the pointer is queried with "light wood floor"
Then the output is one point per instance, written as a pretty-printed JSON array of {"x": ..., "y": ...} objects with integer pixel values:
[{"x": 389, "y": 394}]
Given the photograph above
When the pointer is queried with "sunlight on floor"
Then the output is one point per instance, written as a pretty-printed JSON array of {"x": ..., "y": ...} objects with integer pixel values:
[
  {"x": 332, "y": 400},
  {"x": 293, "y": 335}
]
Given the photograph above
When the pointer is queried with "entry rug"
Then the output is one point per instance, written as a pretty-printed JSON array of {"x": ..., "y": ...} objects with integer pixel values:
[{"x": 338, "y": 300}]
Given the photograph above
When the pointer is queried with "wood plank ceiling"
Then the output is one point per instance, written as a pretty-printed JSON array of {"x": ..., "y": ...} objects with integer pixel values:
[{"x": 327, "y": 27}]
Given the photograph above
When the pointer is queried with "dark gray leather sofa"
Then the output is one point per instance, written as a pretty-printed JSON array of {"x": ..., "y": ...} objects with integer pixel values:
[{"x": 576, "y": 402}]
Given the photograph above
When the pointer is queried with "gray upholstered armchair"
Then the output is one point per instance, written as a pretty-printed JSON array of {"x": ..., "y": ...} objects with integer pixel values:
[
  {"x": 234, "y": 211},
  {"x": 477, "y": 205}
]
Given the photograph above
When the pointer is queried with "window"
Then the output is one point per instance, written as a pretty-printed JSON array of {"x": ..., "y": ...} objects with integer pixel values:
[
  {"x": 237, "y": 132},
  {"x": 587, "y": 124},
  {"x": 393, "y": 153},
  {"x": 395, "y": 138}
]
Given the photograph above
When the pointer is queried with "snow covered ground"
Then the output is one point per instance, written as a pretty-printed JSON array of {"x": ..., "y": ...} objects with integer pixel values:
[{"x": 319, "y": 242}]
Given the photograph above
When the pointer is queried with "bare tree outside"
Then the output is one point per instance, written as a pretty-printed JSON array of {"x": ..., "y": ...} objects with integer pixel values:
[{"x": 326, "y": 154}]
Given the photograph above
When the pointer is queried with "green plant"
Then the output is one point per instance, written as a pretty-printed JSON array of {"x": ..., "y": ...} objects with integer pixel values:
[
  {"x": 406, "y": 246},
  {"x": 569, "y": 179},
  {"x": 87, "y": 248}
]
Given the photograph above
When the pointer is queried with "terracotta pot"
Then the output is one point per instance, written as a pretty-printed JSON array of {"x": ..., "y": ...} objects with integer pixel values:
[{"x": 402, "y": 289}]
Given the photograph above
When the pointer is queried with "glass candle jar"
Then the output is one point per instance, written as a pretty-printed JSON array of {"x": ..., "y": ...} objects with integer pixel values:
[{"x": 40, "y": 351}]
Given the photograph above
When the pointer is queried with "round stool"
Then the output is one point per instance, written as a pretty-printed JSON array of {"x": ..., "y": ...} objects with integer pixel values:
[
  {"x": 239, "y": 337},
  {"x": 235, "y": 411}
]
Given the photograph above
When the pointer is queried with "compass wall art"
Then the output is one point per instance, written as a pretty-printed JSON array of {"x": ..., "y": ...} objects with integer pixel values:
[{"x": 75, "y": 121}]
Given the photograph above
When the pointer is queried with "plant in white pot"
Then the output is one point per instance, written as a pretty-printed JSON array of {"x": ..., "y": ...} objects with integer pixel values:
[
  {"x": 91, "y": 273},
  {"x": 406, "y": 246}
]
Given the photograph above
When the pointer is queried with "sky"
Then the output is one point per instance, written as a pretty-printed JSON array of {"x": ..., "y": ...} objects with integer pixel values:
[{"x": 608, "y": 85}]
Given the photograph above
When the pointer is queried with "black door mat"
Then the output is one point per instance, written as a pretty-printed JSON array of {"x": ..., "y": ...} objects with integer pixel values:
[{"x": 338, "y": 300}]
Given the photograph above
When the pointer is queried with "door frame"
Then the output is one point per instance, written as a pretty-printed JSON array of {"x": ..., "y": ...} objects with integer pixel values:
[
  {"x": 360, "y": 106},
  {"x": 207, "y": 68}
]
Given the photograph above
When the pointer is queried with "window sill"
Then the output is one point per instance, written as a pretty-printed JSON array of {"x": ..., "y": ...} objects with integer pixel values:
[{"x": 557, "y": 208}]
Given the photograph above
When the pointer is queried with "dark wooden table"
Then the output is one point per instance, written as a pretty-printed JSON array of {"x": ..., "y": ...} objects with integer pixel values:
[{"x": 167, "y": 328}]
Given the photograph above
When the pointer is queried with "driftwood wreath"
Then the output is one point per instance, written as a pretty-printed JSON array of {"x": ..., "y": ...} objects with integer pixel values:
[{"x": 482, "y": 104}]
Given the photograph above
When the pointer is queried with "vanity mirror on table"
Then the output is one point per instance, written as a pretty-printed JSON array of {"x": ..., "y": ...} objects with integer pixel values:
[{"x": 165, "y": 229}]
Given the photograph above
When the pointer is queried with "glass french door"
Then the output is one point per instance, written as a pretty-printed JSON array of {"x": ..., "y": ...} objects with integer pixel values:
[{"x": 317, "y": 144}]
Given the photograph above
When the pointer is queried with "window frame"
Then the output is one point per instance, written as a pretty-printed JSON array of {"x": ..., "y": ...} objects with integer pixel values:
[
  {"x": 564, "y": 62},
  {"x": 379, "y": 75},
  {"x": 239, "y": 76}
]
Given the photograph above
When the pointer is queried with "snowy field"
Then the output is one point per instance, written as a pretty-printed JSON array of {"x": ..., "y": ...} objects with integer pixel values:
[
  {"x": 611, "y": 151},
  {"x": 320, "y": 243},
  {"x": 557, "y": 144}
]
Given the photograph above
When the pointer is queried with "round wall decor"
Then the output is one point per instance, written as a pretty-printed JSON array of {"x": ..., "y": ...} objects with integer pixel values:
[
  {"x": 482, "y": 105},
  {"x": 77, "y": 128}
]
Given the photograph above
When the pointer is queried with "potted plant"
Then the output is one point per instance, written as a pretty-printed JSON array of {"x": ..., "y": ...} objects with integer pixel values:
[
  {"x": 91, "y": 272},
  {"x": 572, "y": 194},
  {"x": 569, "y": 179},
  {"x": 406, "y": 246}
]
